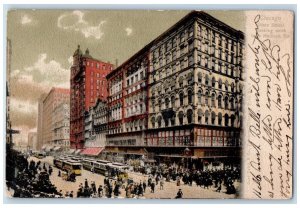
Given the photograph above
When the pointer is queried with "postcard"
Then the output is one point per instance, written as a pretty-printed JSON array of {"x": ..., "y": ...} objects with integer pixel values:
[{"x": 149, "y": 104}]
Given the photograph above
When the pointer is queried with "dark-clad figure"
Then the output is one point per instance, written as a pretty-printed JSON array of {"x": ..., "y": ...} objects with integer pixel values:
[{"x": 179, "y": 194}]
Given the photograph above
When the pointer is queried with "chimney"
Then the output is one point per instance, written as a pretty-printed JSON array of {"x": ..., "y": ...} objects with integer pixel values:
[{"x": 116, "y": 63}]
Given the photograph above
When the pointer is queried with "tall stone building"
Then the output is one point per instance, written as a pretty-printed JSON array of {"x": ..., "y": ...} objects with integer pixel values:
[
  {"x": 46, "y": 127},
  {"x": 195, "y": 85},
  {"x": 88, "y": 83},
  {"x": 61, "y": 125},
  {"x": 194, "y": 94},
  {"x": 32, "y": 141}
]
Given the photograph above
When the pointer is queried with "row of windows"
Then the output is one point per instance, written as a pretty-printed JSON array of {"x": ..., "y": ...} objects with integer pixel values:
[
  {"x": 228, "y": 103},
  {"x": 206, "y": 118}
]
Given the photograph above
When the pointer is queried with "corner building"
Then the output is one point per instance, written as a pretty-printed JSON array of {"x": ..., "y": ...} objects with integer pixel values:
[
  {"x": 88, "y": 83},
  {"x": 194, "y": 94}
]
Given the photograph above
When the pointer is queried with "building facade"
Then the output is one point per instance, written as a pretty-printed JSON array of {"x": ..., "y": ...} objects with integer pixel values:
[
  {"x": 32, "y": 141},
  {"x": 88, "y": 83},
  {"x": 193, "y": 93},
  {"x": 40, "y": 122},
  {"x": 128, "y": 105},
  {"x": 95, "y": 128},
  {"x": 195, "y": 85},
  {"x": 61, "y": 125},
  {"x": 49, "y": 119}
]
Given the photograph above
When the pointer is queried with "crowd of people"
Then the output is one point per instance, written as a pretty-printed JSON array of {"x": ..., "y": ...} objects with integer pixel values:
[
  {"x": 32, "y": 180},
  {"x": 205, "y": 179}
]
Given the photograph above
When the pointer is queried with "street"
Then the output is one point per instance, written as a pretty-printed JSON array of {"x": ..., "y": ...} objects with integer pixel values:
[{"x": 169, "y": 190}]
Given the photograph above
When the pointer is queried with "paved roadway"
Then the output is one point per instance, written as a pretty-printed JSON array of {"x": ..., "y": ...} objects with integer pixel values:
[{"x": 169, "y": 192}]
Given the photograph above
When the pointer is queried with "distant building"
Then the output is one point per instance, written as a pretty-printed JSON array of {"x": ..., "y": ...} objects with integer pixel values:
[
  {"x": 40, "y": 122},
  {"x": 32, "y": 141},
  {"x": 49, "y": 119},
  {"x": 88, "y": 82},
  {"x": 61, "y": 125}
]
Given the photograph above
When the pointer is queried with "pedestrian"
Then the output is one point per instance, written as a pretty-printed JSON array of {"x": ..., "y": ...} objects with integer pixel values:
[
  {"x": 179, "y": 194},
  {"x": 161, "y": 183},
  {"x": 152, "y": 187},
  {"x": 50, "y": 170},
  {"x": 144, "y": 186},
  {"x": 178, "y": 180},
  {"x": 100, "y": 191},
  {"x": 71, "y": 194},
  {"x": 86, "y": 184},
  {"x": 59, "y": 173}
]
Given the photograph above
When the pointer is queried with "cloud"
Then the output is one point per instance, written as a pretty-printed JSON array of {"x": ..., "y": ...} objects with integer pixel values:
[
  {"x": 128, "y": 31},
  {"x": 25, "y": 19},
  {"x": 70, "y": 60},
  {"x": 74, "y": 21},
  {"x": 23, "y": 106},
  {"x": 44, "y": 73}
]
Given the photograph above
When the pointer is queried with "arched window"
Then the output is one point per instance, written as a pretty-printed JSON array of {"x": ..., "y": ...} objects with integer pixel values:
[
  {"x": 173, "y": 120},
  {"x": 159, "y": 121},
  {"x": 220, "y": 84},
  {"x": 166, "y": 119},
  {"x": 232, "y": 118},
  {"x": 213, "y": 98},
  {"x": 199, "y": 96},
  {"x": 167, "y": 102},
  {"x": 200, "y": 78},
  {"x": 206, "y": 80},
  {"x": 190, "y": 116},
  {"x": 220, "y": 118},
  {"x": 200, "y": 114},
  {"x": 153, "y": 122},
  {"x": 213, "y": 118},
  {"x": 181, "y": 98},
  {"x": 226, "y": 103},
  {"x": 232, "y": 87},
  {"x": 232, "y": 103},
  {"x": 180, "y": 116},
  {"x": 190, "y": 96},
  {"x": 173, "y": 101},
  {"x": 226, "y": 119},
  {"x": 213, "y": 82},
  {"x": 206, "y": 98},
  {"x": 206, "y": 116},
  {"x": 181, "y": 81},
  {"x": 159, "y": 104},
  {"x": 220, "y": 101},
  {"x": 226, "y": 85}
]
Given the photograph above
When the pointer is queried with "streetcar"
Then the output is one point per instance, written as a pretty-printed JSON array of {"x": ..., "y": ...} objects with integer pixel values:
[
  {"x": 118, "y": 170},
  {"x": 72, "y": 166},
  {"x": 101, "y": 167},
  {"x": 87, "y": 164},
  {"x": 58, "y": 162}
]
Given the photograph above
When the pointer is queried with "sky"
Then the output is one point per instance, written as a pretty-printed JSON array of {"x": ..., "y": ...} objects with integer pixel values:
[{"x": 43, "y": 42}]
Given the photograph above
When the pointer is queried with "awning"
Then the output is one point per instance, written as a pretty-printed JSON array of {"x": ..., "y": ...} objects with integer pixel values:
[
  {"x": 44, "y": 147},
  {"x": 77, "y": 152},
  {"x": 57, "y": 148},
  {"x": 93, "y": 151},
  {"x": 48, "y": 148}
]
